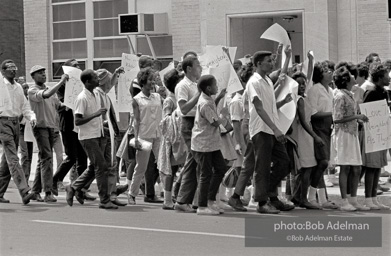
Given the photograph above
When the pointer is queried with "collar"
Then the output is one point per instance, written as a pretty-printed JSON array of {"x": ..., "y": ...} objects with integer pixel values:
[
  {"x": 188, "y": 80},
  {"x": 100, "y": 90},
  {"x": 208, "y": 98},
  {"x": 43, "y": 86},
  {"x": 142, "y": 95},
  {"x": 88, "y": 92},
  {"x": 8, "y": 82}
]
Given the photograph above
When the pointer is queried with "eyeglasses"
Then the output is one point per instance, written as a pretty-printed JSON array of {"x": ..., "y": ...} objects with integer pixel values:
[{"x": 11, "y": 68}]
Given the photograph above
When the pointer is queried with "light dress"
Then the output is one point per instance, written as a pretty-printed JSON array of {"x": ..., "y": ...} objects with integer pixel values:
[{"x": 345, "y": 147}]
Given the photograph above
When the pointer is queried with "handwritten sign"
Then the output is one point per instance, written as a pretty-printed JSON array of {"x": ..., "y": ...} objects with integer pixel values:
[
  {"x": 74, "y": 86},
  {"x": 130, "y": 64},
  {"x": 226, "y": 78},
  {"x": 287, "y": 113},
  {"x": 278, "y": 34},
  {"x": 378, "y": 129},
  {"x": 5, "y": 99},
  {"x": 124, "y": 97}
]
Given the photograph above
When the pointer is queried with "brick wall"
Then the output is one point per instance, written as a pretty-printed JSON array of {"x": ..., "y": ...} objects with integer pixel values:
[
  {"x": 37, "y": 32},
  {"x": 11, "y": 31}
]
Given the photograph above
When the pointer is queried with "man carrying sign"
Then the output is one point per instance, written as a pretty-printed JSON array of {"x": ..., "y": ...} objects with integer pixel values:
[
  {"x": 44, "y": 103},
  {"x": 9, "y": 134}
]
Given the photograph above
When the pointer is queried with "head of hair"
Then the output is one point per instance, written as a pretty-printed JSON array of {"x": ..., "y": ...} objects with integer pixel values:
[
  {"x": 86, "y": 75},
  {"x": 171, "y": 79},
  {"x": 319, "y": 68},
  {"x": 260, "y": 56},
  {"x": 157, "y": 64},
  {"x": 188, "y": 62},
  {"x": 237, "y": 65},
  {"x": 329, "y": 64},
  {"x": 371, "y": 57},
  {"x": 145, "y": 61},
  {"x": 69, "y": 62},
  {"x": 143, "y": 75},
  {"x": 190, "y": 53},
  {"x": 387, "y": 64},
  {"x": 299, "y": 74},
  {"x": 246, "y": 72},
  {"x": 377, "y": 71},
  {"x": 205, "y": 81},
  {"x": 363, "y": 70},
  {"x": 3, "y": 64},
  {"x": 341, "y": 77},
  {"x": 350, "y": 66}
]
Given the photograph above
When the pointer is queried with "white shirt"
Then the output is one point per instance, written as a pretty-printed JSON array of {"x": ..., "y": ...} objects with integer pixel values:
[
  {"x": 321, "y": 99},
  {"x": 20, "y": 105},
  {"x": 185, "y": 90},
  {"x": 264, "y": 90},
  {"x": 86, "y": 104},
  {"x": 367, "y": 86}
]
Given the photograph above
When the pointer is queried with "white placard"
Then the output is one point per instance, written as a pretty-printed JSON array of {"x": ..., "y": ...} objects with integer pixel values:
[
  {"x": 73, "y": 87},
  {"x": 287, "y": 113}
]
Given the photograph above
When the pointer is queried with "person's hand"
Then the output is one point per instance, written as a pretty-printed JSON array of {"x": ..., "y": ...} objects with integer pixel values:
[
  {"x": 318, "y": 141},
  {"x": 119, "y": 70},
  {"x": 238, "y": 149},
  {"x": 64, "y": 78},
  {"x": 364, "y": 118},
  {"x": 288, "y": 98},
  {"x": 288, "y": 51},
  {"x": 101, "y": 111},
  {"x": 282, "y": 78},
  {"x": 309, "y": 55},
  {"x": 137, "y": 144},
  {"x": 279, "y": 48},
  {"x": 224, "y": 112},
  {"x": 280, "y": 137},
  {"x": 222, "y": 94},
  {"x": 33, "y": 123}
]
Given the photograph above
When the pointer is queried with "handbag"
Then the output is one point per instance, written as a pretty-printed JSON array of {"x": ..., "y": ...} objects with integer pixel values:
[{"x": 230, "y": 178}]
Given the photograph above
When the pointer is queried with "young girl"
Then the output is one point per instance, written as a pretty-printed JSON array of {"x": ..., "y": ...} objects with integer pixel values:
[
  {"x": 147, "y": 108},
  {"x": 345, "y": 147}
]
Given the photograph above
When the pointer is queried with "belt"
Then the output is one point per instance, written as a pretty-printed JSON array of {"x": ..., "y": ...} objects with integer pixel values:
[{"x": 9, "y": 118}]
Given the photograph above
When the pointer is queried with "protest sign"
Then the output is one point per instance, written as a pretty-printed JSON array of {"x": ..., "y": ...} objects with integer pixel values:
[
  {"x": 226, "y": 78},
  {"x": 378, "y": 129},
  {"x": 124, "y": 97},
  {"x": 164, "y": 71},
  {"x": 287, "y": 113},
  {"x": 278, "y": 34},
  {"x": 73, "y": 86},
  {"x": 5, "y": 99},
  {"x": 215, "y": 56},
  {"x": 130, "y": 64},
  {"x": 114, "y": 101},
  {"x": 28, "y": 133}
]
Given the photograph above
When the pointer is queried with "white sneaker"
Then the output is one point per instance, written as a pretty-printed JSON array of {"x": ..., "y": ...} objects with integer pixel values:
[
  {"x": 380, "y": 205},
  {"x": 206, "y": 211},
  {"x": 183, "y": 208},
  {"x": 329, "y": 183},
  {"x": 285, "y": 201},
  {"x": 348, "y": 208},
  {"x": 371, "y": 205},
  {"x": 360, "y": 207},
  {"x": 215, "y": 207}
]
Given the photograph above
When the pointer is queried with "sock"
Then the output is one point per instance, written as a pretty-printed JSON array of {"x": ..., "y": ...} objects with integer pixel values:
[
  {"x": 374, "y": 201},
  {"x": 352, "y": 200},
  {"x": 368, "y": 201},
  {"x": 311, "y": 194},
  {"x": 322, "y": 195},
  {"x": 168, "y": 198},
  {"x": 345, "y": 201}
]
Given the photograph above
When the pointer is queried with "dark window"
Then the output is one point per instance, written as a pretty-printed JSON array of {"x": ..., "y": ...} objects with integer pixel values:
[
  {"x": 57, "y": 68},
  {"x": 129, "y": 23}
]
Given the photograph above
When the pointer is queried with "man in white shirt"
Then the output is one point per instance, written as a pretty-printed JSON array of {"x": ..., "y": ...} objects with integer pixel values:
[{"x": 9, "y": 134}]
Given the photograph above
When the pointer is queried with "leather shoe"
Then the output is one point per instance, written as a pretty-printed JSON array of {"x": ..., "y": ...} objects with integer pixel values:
[
  {"x": 108, "y": 205},
  {"x": 55, "y": 190},
  {"x": 37, "y": 197},
  {"x": 80, "y": 197},
  {"x": 237, "y": 204},
  {"x": 118, "y": 202},
  {"x": 3, "y": 200},
  {"x": 70, "y": 192},
  {"x": 282, "y": 206},
  {"x": 309, "y": 206},
  {"x": 154, "y": 199},
  {"x": 267, "y": 209},
  {"x": 121, "y": 189},
  {"x": 27, "y": 197},
  {"x": 88, "y": 197}
]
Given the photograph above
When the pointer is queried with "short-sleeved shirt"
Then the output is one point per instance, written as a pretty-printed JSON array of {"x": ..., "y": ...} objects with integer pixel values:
[
  {"x": 321, "y": 99},
  {"x": 169, "y": 104},
  {"x": 358, "y": 95},
  {"x": 344, "y": 106},
  {"x": 185, "y": 90},
  {"x": 236, "y": 109},
  {"x": 45, "y": 109},
  {"x": 86, "y": 104},
  {"x": 368, "y": 86},
  {"x": 262, "y": 88},
  {"x": 151, "y": 113},
  {"x": 205, "y": 137}
]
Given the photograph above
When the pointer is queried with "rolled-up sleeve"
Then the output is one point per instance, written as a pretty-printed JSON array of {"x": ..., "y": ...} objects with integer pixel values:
[
  {"x": 236, "y": 111},
  {"x": 182, "y": 94},
  {"x": 36, "y": 94}
]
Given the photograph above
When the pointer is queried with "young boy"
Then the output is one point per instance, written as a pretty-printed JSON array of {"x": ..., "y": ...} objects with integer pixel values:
[{"x": 205, "y": 143}]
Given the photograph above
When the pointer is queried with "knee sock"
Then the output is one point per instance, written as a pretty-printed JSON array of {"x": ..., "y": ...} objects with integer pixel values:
[
  {"x": 311, "y": 194},
  {"x": 322, "y": 195},
  {"x": 168, "y": 198}
]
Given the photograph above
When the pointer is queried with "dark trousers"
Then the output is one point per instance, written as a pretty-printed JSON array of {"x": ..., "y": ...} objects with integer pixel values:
[
  {"x": 212, "y": 168},
  {"x": 44, "y": 175},
  {"x": 9, "y": 165},
  {"x": 189, "y": 177},
  {"x": 97, "y": 169},
  {"x": 75, "y": 156},
  {"x": 247, "y": 169},
  {"x": 151, "y": 176},
  {"x": 26, "y": 154},
  {"x": 266, "y": 150}
]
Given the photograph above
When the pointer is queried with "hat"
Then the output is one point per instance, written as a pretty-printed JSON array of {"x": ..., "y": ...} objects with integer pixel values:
[
  {"x": 36, "y": 68},
  {"x": 104, "y": 76}
]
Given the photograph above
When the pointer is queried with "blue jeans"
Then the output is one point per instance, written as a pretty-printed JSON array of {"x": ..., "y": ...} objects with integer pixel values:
[
  {"x": 9, "y": 166},
  {"x": 98, "y": 168},
  {"x": 45, "y": 138}
]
